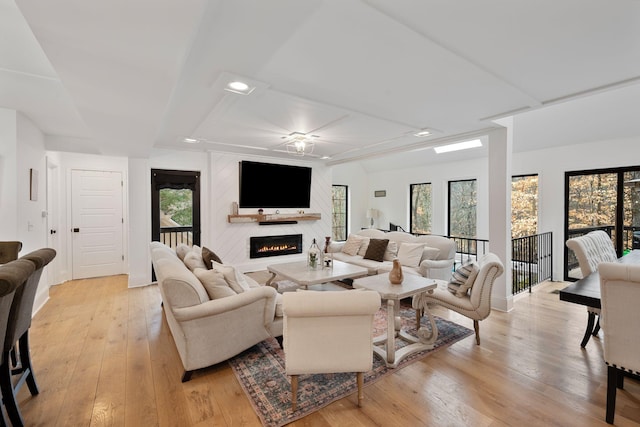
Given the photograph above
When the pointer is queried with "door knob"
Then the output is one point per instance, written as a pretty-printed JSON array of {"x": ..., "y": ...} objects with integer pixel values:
[{"x": 76, "y": 230}]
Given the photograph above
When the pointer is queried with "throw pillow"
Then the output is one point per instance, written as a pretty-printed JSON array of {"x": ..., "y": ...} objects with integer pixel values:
[
  {"x": 430, "y": 253},
  {"x": 391, "y": 252},
  {"x": 208, "y": 255},
  {"x": 410, "y": 254},
  {"x": 194, "y": 260},
  {"x": 352, "y": 245},
  {"x": 363, "y": 246},
  {"x": 214, "y": 283},
  {"x": 234, "y": 278},
  {"x": 376, "y": 249},
  {"x": 463, "y": 278},
  {"x": 182, "y": 250}
]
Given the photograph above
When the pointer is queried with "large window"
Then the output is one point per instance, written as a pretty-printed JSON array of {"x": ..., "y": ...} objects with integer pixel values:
[
  {"x": 524, "y": 205},
  {"x": 420, "y": 208},
  {"x": 605, "y": 199},
  {"x": 339, "y": 212},
  {"x": 463, "y": 199}
]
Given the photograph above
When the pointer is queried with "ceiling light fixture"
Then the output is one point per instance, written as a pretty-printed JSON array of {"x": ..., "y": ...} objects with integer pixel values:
[
  {"x": 239, "y": 87},
  {"x": 190, "y": 140},
  {"x": 299, "y": 143},
  {"x": 422, "y": 133},
  {"x": 474, "y": 143}
]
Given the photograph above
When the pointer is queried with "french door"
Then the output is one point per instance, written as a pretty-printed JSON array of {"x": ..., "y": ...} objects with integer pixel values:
[{"x": 603, "y": 199}]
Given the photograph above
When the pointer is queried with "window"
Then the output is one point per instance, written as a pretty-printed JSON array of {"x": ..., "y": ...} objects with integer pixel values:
[
  {"x": 420, "y": 208},
  {"x": 339, "y": 212},
  {"x": 463, "y": 199},
  {"x": 524, "y": 205}
]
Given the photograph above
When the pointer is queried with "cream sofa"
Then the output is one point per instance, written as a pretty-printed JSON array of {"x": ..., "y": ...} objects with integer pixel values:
[
  {"x": 436, "y": 260},
  {"x": 208, "y": 331}
]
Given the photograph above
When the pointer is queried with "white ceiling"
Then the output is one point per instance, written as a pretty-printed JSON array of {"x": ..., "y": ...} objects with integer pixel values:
[{"x": 124, "y": 76}]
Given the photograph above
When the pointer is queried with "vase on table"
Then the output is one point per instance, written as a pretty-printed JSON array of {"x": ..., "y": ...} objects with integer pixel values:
[
  {"x": 313, "y": 256},
  {"x": 395, "y": 275}
]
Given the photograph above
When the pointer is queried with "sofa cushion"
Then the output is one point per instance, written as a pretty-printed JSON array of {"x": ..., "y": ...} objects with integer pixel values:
[
  {"x": 234, "y": 278},
  {"x": 214, "y": 283},
  {"x": 352, "y": 245},
  {"x": 208, "y": 255},
  {"x": 376, "y": 249},
  {"x": 180, "y": 287},
  {"x": 182, "y": 250},
  {"x": 391, "y": 252},
  {"x": 363, "y": 246},
  {"x": 194, "y": 260},
  {"x": 410, "y": 254},
  {"x": 463, "y": 278},
  {"x": 430, "y": 253}
]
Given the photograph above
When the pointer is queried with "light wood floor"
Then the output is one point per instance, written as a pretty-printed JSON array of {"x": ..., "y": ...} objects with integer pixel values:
[{"x": 103, "y": 356}]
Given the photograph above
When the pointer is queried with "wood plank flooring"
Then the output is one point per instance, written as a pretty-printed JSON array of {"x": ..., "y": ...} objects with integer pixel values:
[{"x": 104, "y": 356}]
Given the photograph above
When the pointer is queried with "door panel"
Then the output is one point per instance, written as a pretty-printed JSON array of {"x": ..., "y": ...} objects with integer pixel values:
[{"x": 97, "y": 223}]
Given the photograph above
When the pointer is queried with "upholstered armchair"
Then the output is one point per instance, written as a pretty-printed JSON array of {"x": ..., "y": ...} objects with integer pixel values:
[
  {"x": 619, "y": 295},
  {"x": 590, "y": 250},
  {"x": 328, "y": 332},
  {"x": 475, "y": 304}
]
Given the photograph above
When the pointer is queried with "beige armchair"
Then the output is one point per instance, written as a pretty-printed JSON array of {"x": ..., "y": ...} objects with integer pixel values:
[
  {"x": 476, "y": 304},
  {"x": 328, "y": 332},
  {"x": 590, "y": 250},
  {"x": 619, "y": 294}
]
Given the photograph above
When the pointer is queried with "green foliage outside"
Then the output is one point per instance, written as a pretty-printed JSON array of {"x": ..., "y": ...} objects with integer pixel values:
[
  {"x": 524, "y": 206},
  {"x": 463, "y": 199},
  {"x": 421, "y": 208},
  {"x": 177, "y": 204}
]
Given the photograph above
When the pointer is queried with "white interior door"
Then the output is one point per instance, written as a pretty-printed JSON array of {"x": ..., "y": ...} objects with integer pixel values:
[{"x": 97, "y": 223}]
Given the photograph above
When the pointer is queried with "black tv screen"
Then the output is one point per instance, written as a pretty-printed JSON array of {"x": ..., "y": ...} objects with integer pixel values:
[{"x": 268, "y": 185}]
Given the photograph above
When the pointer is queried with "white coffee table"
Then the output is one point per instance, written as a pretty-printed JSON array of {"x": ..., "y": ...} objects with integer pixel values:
[
  {"x": 411, "y": 285},
  {"x": 301, "y": 274}
]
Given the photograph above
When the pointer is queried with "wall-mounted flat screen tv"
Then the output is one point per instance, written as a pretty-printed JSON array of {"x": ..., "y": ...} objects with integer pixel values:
[{"x": 268, "y": 185}]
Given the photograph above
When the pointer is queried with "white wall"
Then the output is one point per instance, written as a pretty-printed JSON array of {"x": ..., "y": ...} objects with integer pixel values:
[
  {"x": 8, "y": 175},
  {"x": 356, "y": 178}
]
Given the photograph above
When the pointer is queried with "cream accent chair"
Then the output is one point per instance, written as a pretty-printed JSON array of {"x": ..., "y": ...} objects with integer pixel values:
[
  {"x": 476, "y": 304},
  {"x": 619, "y": 294},
  {"x": 590, "y": 250},
  {"x": 328, "y": 332}
]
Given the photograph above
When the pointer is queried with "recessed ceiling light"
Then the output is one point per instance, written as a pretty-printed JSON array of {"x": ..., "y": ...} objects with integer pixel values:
[
  {"x": 458, "y": 146},
  {"x": 422, "y": 133},
  {"x": 325, "y": 157},
  {"x": 190, "y": 140},
  {"x": 239, "y": 87}
]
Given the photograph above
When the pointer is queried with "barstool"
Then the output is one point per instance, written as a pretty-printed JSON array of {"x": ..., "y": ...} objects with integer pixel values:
[
  {"x": 18, "y": 331},
  {"x": 12, "y": 276}
]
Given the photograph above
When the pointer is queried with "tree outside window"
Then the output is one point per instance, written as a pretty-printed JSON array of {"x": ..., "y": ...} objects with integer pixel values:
[
  {"x": 524, "y": 206},
  {"x": 463, "y": 199},
  {"x": 176, "y": 207},
  {"x": 339, "y": 212},
  {"x": 420, "y": 208}
]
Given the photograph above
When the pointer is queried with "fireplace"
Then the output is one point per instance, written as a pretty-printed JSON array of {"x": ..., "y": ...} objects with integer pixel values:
[{"x": 266, "y": 246}]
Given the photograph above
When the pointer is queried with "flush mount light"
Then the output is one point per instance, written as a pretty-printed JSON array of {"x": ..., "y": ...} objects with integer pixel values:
[
  {"x": 239, "y": 87},
  {"x": 422, "y": 133},
  {"x": 458, "y": 146},
  {"x": 299, "y": 143},
  {"x": 190, "y": 140}
]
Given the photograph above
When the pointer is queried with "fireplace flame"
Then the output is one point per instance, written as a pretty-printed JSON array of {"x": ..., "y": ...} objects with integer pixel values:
[{"x": 276, "y": 248}]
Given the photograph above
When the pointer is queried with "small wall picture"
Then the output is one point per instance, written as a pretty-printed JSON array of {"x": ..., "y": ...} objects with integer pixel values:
[
  {"x": 380, "y": 193},
  {"x": 33, "y": 184}
]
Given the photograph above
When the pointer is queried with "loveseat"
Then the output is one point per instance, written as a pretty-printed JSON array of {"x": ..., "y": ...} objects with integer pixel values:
[
  {"x": 430, "y": 256},
  {"x": 209, "y": 320}
]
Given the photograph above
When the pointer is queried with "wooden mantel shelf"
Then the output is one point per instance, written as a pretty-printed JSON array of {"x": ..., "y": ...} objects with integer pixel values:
[{"x": 287, "y": 217}]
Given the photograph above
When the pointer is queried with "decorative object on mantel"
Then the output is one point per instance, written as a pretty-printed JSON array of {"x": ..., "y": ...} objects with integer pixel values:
[
  {"x": 313, "y": 256},
  {"x": 234, "y": 208},
  {"x": 260, "y": 211},
  {"x": 395, "y": 275}
]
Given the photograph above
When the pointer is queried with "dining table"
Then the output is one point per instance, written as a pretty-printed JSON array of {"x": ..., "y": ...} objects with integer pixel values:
[{"x": 586, "y": 291}]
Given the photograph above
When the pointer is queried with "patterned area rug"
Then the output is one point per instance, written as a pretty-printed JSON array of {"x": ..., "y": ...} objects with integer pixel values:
[{"x": 260, "y": 371}]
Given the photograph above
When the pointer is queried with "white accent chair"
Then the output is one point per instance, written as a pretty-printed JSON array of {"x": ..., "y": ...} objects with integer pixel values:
[
  {"x": 476, "y": 304},
  {"x": 619, "y": 295},
  {"x": 590, "y": 250},
  {"x": 328, "y": 332}
]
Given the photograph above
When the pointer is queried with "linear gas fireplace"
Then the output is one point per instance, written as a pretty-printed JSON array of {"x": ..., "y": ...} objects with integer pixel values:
[{"x": 265, "y": 246}]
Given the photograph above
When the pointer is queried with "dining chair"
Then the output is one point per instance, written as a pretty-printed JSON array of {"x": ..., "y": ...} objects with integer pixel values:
[
  {"x": 590, "y": 250},
  {"x": 619, "y": 295},
  {"x": 16, "y": 341},
  {"x": 12, "y": 275},
  {"x": 328, "y": 332}
]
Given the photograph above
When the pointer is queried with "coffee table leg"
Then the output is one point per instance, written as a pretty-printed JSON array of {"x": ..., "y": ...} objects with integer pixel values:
[
  {"x": 273, "y": 276},
  {"x": 391, "y": 332},
  {"x": 429, "y": 337}
]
